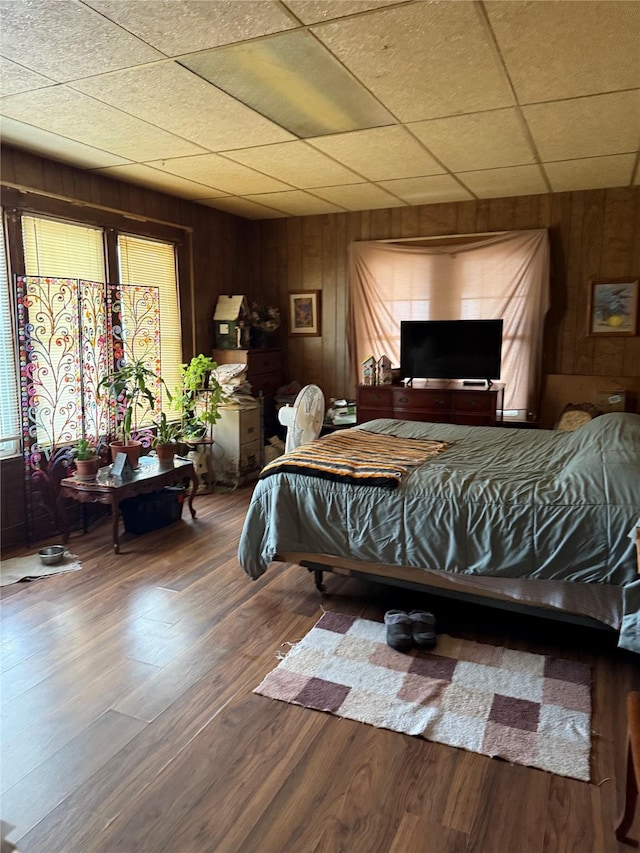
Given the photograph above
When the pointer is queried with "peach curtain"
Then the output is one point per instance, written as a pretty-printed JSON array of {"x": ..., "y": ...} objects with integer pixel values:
[{"x": 501, "y": 276}]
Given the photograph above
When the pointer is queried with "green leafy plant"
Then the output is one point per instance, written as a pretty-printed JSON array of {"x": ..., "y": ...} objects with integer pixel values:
[
  {"x": 130, "y": 388},
  {"x": 166, "y": 432},
  {"x": 83, "y": 450},
  {"x": 199, "y": 397}
]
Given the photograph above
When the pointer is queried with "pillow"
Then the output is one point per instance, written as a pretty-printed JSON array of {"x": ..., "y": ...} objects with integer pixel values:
[{"x": 575, "y": 415}]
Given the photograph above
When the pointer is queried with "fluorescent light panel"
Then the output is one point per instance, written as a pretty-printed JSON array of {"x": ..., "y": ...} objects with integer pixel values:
[{"x": 294, "y": 81}]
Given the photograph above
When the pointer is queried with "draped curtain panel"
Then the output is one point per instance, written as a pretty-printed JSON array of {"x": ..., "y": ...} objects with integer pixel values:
[{"x": 503, "y": 276}]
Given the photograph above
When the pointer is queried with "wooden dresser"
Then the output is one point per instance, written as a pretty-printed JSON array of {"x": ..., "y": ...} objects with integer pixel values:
[
  {"x": 264, "y": 372},
  {"x": 437, "y": 402}
]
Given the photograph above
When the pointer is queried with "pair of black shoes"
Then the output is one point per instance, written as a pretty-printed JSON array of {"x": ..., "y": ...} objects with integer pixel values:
[{"x": 405, "y": 630}]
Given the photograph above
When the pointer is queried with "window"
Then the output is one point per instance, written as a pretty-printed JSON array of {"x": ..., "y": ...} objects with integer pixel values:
[
  {"x": 9, "y": 401},
  {"x": 79, "y": 325}
]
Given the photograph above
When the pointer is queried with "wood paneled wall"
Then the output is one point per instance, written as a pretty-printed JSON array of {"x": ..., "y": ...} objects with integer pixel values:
[{"x": 593, "y": 233}]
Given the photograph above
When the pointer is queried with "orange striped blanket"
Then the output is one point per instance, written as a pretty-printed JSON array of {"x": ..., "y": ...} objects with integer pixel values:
[{"x": 357, "y": 456}]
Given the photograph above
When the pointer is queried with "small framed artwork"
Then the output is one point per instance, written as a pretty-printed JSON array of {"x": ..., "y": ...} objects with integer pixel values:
[
  {"x": 613, "y": 307},
  {"x": 304, "y": 313}
]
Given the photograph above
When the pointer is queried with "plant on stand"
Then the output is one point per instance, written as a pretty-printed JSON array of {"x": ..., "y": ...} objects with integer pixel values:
[
  {"x": 130, "y": 388},
  {"x": 199, "y": 397}
]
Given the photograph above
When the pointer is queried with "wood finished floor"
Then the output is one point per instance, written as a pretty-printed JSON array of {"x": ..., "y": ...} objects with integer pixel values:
[{"x": 129, "y": 722}]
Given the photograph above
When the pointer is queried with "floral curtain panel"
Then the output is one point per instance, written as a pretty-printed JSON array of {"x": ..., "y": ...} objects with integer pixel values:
[
  {"x": 504, "y": 276},
  {"x": 71, "y": 333}
]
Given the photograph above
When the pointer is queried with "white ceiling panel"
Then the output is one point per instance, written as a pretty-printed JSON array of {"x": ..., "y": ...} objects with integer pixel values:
[
  {"x": 220, "y": 173},
  {"x": 314, "y": 11},
  {"x": 243, "y": 207},
  {"x": 556, "y": 53},
  {"x": 596, "y": 172},
  {"x": 54, "y": 146},
  {"x": 429, "y": 190},
  {"x": 477, "y": 141},
  {"x": 296, "y": 203},
  {"x": 175, "y": 99},
  {"x": 515, "y": 180},
  {"x": 273, "y": 108},
  {"x": 185, "y": 26},
  {"x": 422, "y": 60},
  {"x": 16, "y": 78},
  {"x": 157, "y": 179},
  {"x": 296, "y": 163},
  {"x": 380, "y": 153},
  {"x": 65, "y": 40},
  {"x": 76, "y": 116},
  {"x": 358, "y": 196},
  {"x": 586, "y": 127}
]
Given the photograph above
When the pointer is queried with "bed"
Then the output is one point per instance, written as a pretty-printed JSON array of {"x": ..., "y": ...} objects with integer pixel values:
[{"x": 522, "y": 518}]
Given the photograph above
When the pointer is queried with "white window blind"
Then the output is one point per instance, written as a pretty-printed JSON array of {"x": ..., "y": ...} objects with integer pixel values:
[
  {"x": 152, "y": 263},
  {"x": 9, "y": 401},
  {"x": 55, "y": 248}
]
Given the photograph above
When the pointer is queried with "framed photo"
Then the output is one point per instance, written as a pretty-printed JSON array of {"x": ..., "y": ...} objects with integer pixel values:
[
  {"x": 613, "y": 307},
  {"x": 304, "y": 313}
]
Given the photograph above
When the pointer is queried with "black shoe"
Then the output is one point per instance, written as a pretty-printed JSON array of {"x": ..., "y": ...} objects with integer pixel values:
[
  {"x": 399, "y": 630},
  {"x": 423, "y": 628}
]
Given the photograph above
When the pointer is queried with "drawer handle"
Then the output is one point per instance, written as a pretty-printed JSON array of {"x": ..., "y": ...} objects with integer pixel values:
[
  {"x": 473, "y": 402},
  {"x": 403, "y": 399},
  {"x": 375, "y": 396},
  {"x": 251, "y": 429},
  {"x": 441, "y": 402}
]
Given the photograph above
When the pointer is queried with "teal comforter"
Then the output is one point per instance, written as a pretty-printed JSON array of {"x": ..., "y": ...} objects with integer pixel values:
[{"x": 499, "y": 502}]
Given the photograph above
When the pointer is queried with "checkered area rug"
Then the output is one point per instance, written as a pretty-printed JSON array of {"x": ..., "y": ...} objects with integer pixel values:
[{"x": 526, "y": 708}]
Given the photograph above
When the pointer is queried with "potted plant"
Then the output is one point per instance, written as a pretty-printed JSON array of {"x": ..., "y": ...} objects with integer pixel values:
[
  {"x": 87, "y": 461},
  {"x": 164, "y": 441},
  {"x": 199, "y": 397},
  {"x": 129, "y": 388}
]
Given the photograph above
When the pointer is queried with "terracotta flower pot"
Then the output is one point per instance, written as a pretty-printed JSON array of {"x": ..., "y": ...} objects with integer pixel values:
[
  {"x": 86, "y": 469},
  {"x": 165, "y": 453},
  {"x": 133, "y": 450}
]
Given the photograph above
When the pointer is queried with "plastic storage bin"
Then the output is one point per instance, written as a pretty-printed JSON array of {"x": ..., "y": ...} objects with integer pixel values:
[{"x": 153, "y": 511}]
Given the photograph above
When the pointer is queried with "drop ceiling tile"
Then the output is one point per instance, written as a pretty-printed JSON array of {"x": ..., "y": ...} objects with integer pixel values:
[
  {"x": 183, "y": 27},
  {"x": 313, "y": 11},
  {"x": 242, "y": 207},
  {"x": 74, "y": 115},
  {"x": 563, "y": 50},
  {"x": 223, "y": 174},
  {"x": 296, "y": 203},
  {"x": 15, "y": 78},
  {"x": 56, "y": 147},
  {"x": 591, "y": 173},
  {"x": 423, "y": 60},
  {"x": 515, "y": 180},
  {"x": 479, "y": 141},
  {"x": 585, "y": 127},
  {"x": 296, "y": 163},
  {"x": 147, "y": 176},
  {"x": 65, "y": 40},
  {"x": 380, "y": 153},
  {"x": 428, "y": 190},
  {"x": 175, "y": 99},
  {"x": 358, "y": 196}
]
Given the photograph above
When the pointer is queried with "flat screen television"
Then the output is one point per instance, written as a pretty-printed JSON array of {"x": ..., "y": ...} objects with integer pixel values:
[{"x": 450, "y": 349}]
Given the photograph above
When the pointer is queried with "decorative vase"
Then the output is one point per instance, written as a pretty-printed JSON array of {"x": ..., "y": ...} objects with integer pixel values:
[
  {"x": 133, "y": 450},
  {"x": 259, "y": 338},
  {"x": 86, "y": 469}
]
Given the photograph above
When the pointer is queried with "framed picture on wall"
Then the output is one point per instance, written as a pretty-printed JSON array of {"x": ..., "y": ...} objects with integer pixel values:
[
  {"x": 613, "y": 307},
  {"x": 304, "y": 313}
]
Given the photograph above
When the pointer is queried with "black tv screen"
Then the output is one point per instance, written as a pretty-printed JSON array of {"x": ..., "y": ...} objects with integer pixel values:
[{"x": 450, "y": 349}]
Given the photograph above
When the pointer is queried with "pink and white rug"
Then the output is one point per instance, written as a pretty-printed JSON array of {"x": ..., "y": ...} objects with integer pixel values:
[{"x": 526, "y": 708}]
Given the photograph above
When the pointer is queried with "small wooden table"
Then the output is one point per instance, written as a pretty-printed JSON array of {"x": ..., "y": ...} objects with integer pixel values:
[{"x": 148, "y": 477}]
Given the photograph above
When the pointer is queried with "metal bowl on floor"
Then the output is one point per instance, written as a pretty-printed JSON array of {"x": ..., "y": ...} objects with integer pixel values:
[{"x": 51, "y": 554}]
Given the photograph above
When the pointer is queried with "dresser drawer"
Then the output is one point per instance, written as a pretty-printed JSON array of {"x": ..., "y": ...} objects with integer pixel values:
[
  {"x": 474, "y": 401},
  {"x": 422, "y": 400},
  {"x": 267, "y": 383},
  {"x": 263, "y": 361},
  {"x": 249, "y": 425},
  {"x": 375, "y": 396}
]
